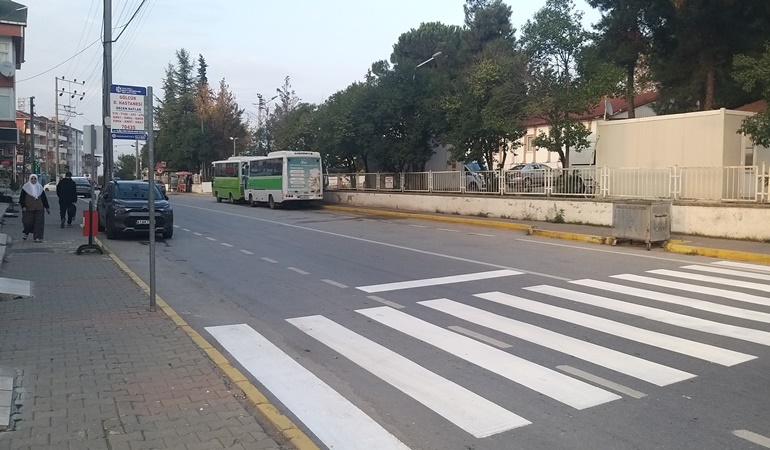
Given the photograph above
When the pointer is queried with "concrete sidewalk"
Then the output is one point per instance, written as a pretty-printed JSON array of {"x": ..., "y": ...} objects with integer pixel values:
[{"x": 85, "y": 365}]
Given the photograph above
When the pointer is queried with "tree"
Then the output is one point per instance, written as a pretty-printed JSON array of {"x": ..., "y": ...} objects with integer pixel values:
[
  {"x": 753, "y": 73},
  {"x": 125, "y": 167},
  {"x": 555, "y": 42}
]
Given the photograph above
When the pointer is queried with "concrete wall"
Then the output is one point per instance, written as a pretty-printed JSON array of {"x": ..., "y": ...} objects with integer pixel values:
[{"x": 736, "y": 222}]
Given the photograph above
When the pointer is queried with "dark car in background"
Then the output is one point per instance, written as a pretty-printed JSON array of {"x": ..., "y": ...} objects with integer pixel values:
[
  {"x": 83, "y": 186},
  {"x": 123, "y": 208}
]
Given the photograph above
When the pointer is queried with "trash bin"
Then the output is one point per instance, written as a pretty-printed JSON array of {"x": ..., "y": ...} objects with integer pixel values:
[{"x": 648, "y": 221}]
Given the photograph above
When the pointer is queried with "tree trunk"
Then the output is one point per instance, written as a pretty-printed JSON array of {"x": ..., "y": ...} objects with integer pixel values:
[
  {"x": 708, "y": 103},
  {"x": 630, "y": 89}
]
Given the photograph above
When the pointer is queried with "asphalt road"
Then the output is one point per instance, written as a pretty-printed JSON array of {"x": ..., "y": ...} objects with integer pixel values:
[{"x": 382, "y": 333}]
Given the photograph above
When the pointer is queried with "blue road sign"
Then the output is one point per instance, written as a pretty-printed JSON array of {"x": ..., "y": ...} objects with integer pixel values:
[{"x": 127, "y": 112}]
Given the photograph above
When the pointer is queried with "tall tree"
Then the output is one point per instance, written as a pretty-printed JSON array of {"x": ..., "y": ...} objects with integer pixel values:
[
  {"x": 555, "y": 42},
  {"x": 753, "y": 74},
  {"x": 125, "y": 167}
]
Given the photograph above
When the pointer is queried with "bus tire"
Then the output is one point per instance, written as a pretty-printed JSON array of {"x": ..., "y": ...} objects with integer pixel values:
[
  {"x": 231, "y": 198},
  {"x": 219, "y": 199},
  {"x": 270, "y": 202},
  {"x": 251, "y": 201}
]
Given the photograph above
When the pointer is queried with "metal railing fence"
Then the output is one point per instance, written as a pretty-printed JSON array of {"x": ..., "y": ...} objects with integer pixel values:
[{"x": 722, "y": 184}]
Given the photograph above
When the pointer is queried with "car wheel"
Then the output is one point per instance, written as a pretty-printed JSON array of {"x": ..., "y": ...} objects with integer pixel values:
[
  {"x": 270, "y": 202},
  {"x": 112, "y": 233},
  {"x": 168, "y": 234}
]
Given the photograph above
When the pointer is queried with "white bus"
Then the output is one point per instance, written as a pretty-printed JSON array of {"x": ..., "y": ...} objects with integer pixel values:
[{"x": 285, "y": 176}]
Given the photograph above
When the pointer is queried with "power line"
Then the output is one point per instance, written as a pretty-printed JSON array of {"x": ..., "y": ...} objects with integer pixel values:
[{"x": 61, "y": 63}]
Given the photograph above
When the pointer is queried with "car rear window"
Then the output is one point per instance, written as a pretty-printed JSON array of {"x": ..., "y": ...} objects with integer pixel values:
[{"x": 135, "y": 191}]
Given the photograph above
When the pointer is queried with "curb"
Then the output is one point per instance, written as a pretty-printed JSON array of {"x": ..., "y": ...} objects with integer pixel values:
[
  {"x": 672, "y": 246},
  {"x": 681, "y": 247},
  {"x": 288, "y": 430}
]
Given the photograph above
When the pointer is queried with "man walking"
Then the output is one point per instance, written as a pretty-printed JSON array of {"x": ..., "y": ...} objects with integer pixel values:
[{"x": 67, "y": 192}]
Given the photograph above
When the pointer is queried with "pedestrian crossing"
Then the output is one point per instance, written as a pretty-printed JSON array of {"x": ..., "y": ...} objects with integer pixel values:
[{"x": 713, "y": 290}]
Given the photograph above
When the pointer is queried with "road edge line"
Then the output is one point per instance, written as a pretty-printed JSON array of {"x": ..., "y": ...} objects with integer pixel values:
[
  {"x": 676, "y": 246},
  {"x": 288, "y": 429}
]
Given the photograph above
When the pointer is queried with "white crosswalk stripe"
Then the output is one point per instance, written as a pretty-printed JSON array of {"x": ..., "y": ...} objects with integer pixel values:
[
  {"x": 438, "y": 281},
  {"x": 745, "y": 266},
  {"x": 711, "y": 279},
  {"x": 471, "y": 412},
  {"x": 651, "y": 372},
  {"x": 703, "y": 305},
  {"x": 660, "y": 315},
  {"x": 322, "y": 409},
  {"x": 675, "y": 344},
  {"x": 548, "y": 382},
  {"x": 733, "y": 295},
  {"x": 733, "y": 272}
]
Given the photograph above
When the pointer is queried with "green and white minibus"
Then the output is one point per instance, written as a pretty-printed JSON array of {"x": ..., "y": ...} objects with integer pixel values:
[
  {"x": 285, "y": 176},
  {"x": 227, "y": 178}
]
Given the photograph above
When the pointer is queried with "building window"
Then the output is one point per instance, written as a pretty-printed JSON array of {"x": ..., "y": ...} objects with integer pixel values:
[
  {"x": 5, "y": 51},
  {"x": 7, "y": 106}
]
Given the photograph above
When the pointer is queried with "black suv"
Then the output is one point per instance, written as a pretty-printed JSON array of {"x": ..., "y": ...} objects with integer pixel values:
[{"x": 122, "y": 207}]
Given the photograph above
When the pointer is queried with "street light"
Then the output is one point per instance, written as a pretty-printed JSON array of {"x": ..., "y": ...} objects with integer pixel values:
[
  {"x": 428, "y": 60},
  {"x": 234, "y": 139}
]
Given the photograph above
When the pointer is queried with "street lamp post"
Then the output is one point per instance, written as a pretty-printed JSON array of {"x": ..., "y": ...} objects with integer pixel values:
[
  {"x": 234, "y": 139},
  {"x": 425, "y": 62}
]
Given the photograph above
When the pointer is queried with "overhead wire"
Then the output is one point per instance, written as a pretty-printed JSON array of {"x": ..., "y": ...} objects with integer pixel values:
[{"x": 82, "y": 34}]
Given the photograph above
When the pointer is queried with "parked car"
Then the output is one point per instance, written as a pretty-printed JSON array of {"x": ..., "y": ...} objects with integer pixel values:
[
  {"x": 474, "y": 178},
  {"x": 122, "y": 207},
  {"x": 51, "y": 186},
  {"x": 526, "y": 176},
  {"x": 161, "y": 185},
  {"x": 83, "y": 186}
]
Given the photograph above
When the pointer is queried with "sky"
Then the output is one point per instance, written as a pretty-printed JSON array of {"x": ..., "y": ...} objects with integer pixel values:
[{"x": 323, "y": 46}]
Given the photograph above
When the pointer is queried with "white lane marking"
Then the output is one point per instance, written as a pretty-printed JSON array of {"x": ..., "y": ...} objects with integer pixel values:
[
  {"x": 541, "y": 379},
  {"x": 211, "y": 238},
  {"x": 447, "y": 230},
  {"x": 482, "y": 234},
  {"x": 438, "y": 281},
  {"x": 602, "y": 382},
  {"x": 676, "y": 344},
  {"x": 246, "y": 252},
  {"x": 740, "y": 296},
  {"x": 659, "y": 315},
  {"x": 633, "y": 366},
  {"x": 417, "y": 226},
  {"x": 469, "y": 411},
  {"x": 714, "y": 280},
  {"x": 740, "y": 265},
  {"x": 269, "y": 260},
  {"x": 176, "y": 226},
  {"x": 385, "y": 302},
  {"x": 334, "y": 283},
  {"x": 184, "y": 229},
  {"x": 299, "y": 271},
  {"x": 752, "y": 437},
  {"x": 703, "y": 305},
  {"x": 226, "y": 244},
  {"x": 735, "y": 273},
  {"x": 380, "y": 243},
  {"x": 197, "y": 234},
  {"x": 479, "y": 337},
  {"x": 323, "y": 410}
]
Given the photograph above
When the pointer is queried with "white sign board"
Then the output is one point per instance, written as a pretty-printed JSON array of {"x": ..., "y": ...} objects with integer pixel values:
[{"x": 127, "y": 112}]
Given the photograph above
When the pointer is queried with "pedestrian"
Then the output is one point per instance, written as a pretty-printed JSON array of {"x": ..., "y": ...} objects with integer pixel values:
[
  {"x": 34, "y": 205},
  {"x": 188, "y": 183},
  {"x": 67, "y": 192}
]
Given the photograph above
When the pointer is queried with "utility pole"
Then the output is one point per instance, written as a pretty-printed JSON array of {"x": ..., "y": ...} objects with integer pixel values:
[
  {"x": 136, "y": 145},
  {"x": 107, "y": 82},
  {"x": 72, "y": 95}
]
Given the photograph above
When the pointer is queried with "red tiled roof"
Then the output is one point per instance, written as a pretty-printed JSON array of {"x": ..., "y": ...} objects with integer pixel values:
[
  {"x": 618, "y": 105},
  {"x": 758, "y": 106}
]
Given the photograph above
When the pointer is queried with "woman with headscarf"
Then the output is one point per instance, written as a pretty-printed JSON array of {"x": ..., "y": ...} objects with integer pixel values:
[{"x": 33, "y": 204}]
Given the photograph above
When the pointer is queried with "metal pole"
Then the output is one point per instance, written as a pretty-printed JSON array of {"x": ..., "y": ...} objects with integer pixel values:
[
  {"x": 56, "y": 130},
  {"x": 138, "y": 177},
  {"x": 148, "y": 121},
  {"x": 31, "y": 134},
  {"x": 107, "y": 82}
]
